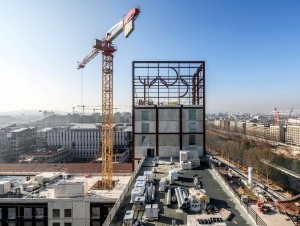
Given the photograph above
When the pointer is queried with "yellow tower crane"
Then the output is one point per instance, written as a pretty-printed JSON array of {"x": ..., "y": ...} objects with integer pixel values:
[{"x": 107, "y": 48}]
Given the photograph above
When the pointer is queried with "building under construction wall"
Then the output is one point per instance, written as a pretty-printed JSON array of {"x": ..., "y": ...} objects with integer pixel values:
[{"x": 168, "y": 99}]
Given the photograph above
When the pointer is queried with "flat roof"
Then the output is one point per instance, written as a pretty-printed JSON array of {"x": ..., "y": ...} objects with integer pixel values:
[
  {"x": 73, "y": 168},
  {"x": 44, "y": 129},
  {"x": 19, "y": 130},
  {"x": 218, "y": 197},
  {"x": 43, "y": 193},
  {"x": 84, "y": 126}
]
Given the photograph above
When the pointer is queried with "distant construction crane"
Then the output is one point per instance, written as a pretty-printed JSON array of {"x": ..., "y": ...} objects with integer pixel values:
[
  {"x": 276, "y": 117},
  {"x": 107, "y": 49},
  {"x": 287, "y": 120}
]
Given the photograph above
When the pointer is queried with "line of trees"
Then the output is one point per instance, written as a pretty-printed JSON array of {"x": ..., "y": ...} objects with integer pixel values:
[{"x": 243, "y": 153}]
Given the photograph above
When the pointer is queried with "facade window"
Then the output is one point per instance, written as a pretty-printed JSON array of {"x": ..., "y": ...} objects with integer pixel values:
[
  {"x": 192, "y": 127},
  {"x": 192, "y": 114},
  {"x": 28, "y": 223},
  {"x": 192, "y": 139},
  {"x": 95, "y": 223},
  {"x": 11, "y": 215},
  {"x": 27, "y": 213},
  {"x": 68, "y": 213},
  {"x": 95, "y": 212},
  {"x": 0, "y": 213},
  {"x": 12, "y": 223},
  {"x": 145, "y": 115},
  {"x": 68, "y": 224},
  {"x": 55, "y": 213},
  {"x": 37, "y": 223},
  {"x": 56, "y": 224},
  {"x": 145, "y": 127}
]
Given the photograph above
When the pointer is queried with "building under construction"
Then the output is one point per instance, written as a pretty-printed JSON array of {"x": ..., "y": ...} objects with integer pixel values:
[{"x": 168, "y": 99}]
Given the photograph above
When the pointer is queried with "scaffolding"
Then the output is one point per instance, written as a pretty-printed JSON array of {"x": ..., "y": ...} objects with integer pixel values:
[{"x": 168, "y": 82}]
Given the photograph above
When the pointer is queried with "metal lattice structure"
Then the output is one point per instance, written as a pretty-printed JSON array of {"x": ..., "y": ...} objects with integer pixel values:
[
  {"x": 107, "y": 48},
  {"x": 168, "y": 99},
  {"x": 107, "y": 121},
  {"x": 168, "y": 82}
]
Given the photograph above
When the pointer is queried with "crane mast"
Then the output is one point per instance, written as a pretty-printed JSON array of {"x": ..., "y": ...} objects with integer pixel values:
[{"x": 107, "y": 48}]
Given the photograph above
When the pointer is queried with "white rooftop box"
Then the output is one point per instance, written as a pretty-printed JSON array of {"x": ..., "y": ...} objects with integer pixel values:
[
  {"x": 70, "y": 190},
  {"x": 5, "y": 187}
]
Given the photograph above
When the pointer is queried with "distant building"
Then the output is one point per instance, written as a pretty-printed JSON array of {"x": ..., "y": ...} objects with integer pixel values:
[
  {"x": 15, "y": 141},
  {"x": 292, "y": 135},
  {"x": 274, "y": 133},
  {"x": 122, "y": 117},
  {"x": 21, "y": 140},
  {"x": 84, "y": 139},
  {"x": 42, "y": 137}
]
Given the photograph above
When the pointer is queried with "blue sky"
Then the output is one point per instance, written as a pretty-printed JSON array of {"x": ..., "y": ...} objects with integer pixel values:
[{"x": 251, "y": 49}]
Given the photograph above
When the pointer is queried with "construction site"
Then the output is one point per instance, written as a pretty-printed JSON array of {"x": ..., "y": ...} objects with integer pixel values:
[{"x": 170, "y": 181}]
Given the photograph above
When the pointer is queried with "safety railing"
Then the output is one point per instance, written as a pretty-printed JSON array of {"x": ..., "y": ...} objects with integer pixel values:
[
  {"x": 117, "y": 204},
  {"x": 246, "y": 206}
]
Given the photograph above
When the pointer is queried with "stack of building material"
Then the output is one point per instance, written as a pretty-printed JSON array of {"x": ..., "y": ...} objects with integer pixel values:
[
  {"x": 47, "y": 177},
  {"x": 128, "y": 218},
  {"x": 141, "y": 178},
  {"x": 225, "y": 214},
  {"x": 30, "y": 185},
  {"x": 204, "y": 219},
  {"x": 150, "y": 192},
  {"x": 173, "y": 175},
  {"x": 151, "y": 212},
  {"x": 149, "y": 176},
  {"x": 186, "y": 165},
  {"x": 140, "y": 184},
  {"x": 194, "y": 202},
  {"x": 189, "y": 156},
  {"x": 136, "y": 192},
  {"x": 163, "y": 184},
  {"x": 139, "y": 203},
  {"x": 183, "y": 156},
  {"x": 200, "y": 194},
  {"x": 169, "y": 199},
  {"x": 182, "y": 198}
]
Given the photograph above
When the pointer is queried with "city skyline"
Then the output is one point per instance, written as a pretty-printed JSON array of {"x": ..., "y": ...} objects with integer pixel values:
[{"x": 250, "y": 49}]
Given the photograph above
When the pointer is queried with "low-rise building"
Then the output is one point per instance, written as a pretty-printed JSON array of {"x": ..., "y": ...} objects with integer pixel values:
[{"x": 84, "y": 139}]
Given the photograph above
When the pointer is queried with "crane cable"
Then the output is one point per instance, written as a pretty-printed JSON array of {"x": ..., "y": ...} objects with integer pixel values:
[{"x": 81, "y": 87}]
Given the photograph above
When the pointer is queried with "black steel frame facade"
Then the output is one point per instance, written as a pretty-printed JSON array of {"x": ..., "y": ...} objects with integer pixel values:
[{"x": 168, "y": 84}]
